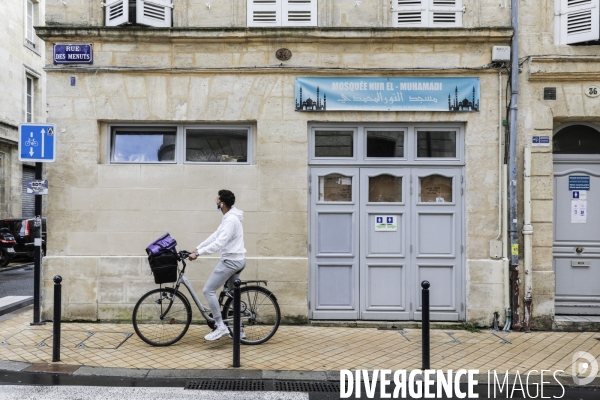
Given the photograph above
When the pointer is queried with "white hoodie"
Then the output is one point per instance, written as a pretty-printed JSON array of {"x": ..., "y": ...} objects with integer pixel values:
[{"x": 229, "y": 237}]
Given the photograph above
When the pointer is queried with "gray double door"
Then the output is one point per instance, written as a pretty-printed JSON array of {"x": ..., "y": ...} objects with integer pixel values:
[
  {"x": 376, "y": 233},
  {"x": 576, "y": 248}
]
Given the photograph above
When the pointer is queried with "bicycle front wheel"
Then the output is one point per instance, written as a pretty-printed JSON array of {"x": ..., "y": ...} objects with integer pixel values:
[
  {"x": 260, "y": 314},
  {"x": 153, "y": 329}
]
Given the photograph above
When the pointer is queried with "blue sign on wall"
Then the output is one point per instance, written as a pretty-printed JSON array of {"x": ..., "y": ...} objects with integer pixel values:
[
  {"x": 387, "y": 94},
  {"x": 73, "y": 54},
  {"x": 37, "y": 142},
  {"x": 579, "y": 182}
]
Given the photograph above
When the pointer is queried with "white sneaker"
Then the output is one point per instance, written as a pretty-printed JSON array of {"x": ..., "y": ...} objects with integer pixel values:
[
  {"x": 217, "y": 333},
  {"x": 242, "y": 334}
]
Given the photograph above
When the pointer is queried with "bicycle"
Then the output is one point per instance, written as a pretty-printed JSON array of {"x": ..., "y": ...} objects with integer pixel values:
[{"x": 161, "y": 317}]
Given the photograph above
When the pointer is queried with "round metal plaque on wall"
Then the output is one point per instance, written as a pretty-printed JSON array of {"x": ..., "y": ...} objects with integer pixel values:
[
  {"x": 283, "y": 54},
  {"x": 592, "y": 91}
]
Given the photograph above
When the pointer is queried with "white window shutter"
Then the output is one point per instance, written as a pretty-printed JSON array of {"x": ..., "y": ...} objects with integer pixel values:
[
  {"x": 263, "y": 13},
  {"x": 445, "y": 13},
  {"x": 409, "y": 12},
  {"x": 579, "y": 21},
  {"x": 155, "y": 13},
  {"x": 116, "y": 12},
  {"x": 299, "y": 13}
]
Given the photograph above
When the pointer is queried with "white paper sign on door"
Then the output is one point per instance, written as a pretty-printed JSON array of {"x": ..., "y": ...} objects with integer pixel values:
[
  {"x": 578, "y": 211},
  {"x": 386, "y": 223}
]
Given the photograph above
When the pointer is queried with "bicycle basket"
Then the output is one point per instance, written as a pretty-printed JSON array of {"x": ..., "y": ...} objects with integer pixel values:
[{"x": 164, "y": 267}]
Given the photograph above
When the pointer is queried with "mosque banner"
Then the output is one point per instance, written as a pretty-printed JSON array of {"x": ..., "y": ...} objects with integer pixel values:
[{"x": 387, "y": 94}]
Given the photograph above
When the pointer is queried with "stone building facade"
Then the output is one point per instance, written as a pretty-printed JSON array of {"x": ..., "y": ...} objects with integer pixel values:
[
  {"x": 216, "y": 71},
  {"x": 22, "y": 80}
]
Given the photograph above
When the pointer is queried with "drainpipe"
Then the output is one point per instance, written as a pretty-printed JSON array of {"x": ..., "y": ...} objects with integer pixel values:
[
  {"x": 505, "y": 260},
  {"x": 512, "y": 168},
  {"x": 527, "y": 236}
]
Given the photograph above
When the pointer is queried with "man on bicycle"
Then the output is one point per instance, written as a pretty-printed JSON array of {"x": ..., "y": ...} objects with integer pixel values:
[{"x": 229, "y": 239}]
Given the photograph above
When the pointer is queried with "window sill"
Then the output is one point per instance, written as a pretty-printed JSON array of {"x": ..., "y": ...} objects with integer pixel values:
[{"x": 32, "y": 47}]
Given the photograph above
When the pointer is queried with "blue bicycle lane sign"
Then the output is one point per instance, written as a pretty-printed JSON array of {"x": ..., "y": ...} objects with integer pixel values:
[{"x": 37, "y": 142}]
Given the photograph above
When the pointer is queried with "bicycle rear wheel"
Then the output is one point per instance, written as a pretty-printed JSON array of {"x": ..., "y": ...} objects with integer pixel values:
[
  {"x": 260, "y": 314},
  {"x": 162, "y": 332}
]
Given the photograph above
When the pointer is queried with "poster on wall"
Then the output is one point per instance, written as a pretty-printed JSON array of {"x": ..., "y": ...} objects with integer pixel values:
[{"x": 387, "y": 94}]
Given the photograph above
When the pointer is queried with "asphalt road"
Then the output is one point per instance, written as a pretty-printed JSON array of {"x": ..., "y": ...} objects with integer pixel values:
[{"x": 17, "y": 282}]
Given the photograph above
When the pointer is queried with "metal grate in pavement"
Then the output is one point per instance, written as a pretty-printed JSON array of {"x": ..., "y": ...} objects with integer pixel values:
[
  {"x": 299, "y": 386},
  {"x": 226, "y": 384}
]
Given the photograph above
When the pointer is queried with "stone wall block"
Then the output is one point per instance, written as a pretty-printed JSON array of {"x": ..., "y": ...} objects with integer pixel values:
[
  {"x": 111, "y": 291},
  {"x": 283, "y": 269},
  {"x": 52, "y": 266},
  {"x": 119, "y": 176},
  {"x": 277, "y": 245},
  {"x": 486, "y": 271},
  {"x": 541, "y": 164},
  {"x": 84, "y": 268},
  {"x": 269, "y": 154},
  {"x": 256, "y": 222},
  {"x": 543, "y": 282},
  {"x": 82, "y": 291},
  {"x": 156, "y": 89},
  {"x": 270, "y": 200},
  {"x": 573, "y": 95},
  {"x": 542, "y": 258},
  {"x": 543, "y": 305},
  {"x": 246, "y": 199},
  {"x": 480, "y": 316},
  {"x": 136, "y": 289},
  {"x": 118, "y": 221},
  {"x": 191, "y": 200},
  {"x": 120, "y": 267},
  {"x": 206, "y": 176},
  {"x": 288, "y": 223},
  {"x": 129, "y": 243},
  {"x": 116, "y": 312},
  {"x": 541, "y": 188},
  {"x": 198, "y": 95},
  {"x": 289, "y": 293},
  {"x": 541, "y": 210},
  {"x": 296, "y": 200},
  {"x": 542, "y": 234},
  {"x": 242, "y": 176},
  {"x": 281, "y": 178},
  {"x": 159, "y": 176},
  {"x": 80, "y": 243},
  {"x": 86, "y": 312},
  {"x": 136, "y": 86}
]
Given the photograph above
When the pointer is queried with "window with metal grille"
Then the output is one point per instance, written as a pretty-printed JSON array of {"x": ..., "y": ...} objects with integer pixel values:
[{"x": 282, "y": 12}]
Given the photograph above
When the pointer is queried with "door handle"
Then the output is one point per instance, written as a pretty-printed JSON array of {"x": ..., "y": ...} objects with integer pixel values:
[{"x": 579, "y": 250}]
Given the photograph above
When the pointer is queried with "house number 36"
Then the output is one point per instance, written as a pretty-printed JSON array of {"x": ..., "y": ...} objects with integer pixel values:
[{"x": 592, "y": 91}]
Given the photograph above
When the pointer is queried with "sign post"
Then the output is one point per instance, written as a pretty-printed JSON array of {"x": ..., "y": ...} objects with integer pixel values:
[{"x": 37, "y": 143}]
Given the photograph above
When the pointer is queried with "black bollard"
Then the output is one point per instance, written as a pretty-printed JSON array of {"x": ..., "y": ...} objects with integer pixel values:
[
  {"x": 237, "y": 321},
  {"x": 425, "y": 320},
  {"x": 56, "y": 323}
]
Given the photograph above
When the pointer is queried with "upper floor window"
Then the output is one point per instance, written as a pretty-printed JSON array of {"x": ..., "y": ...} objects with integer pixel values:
[
  {"x": 157, "y": 13},
  {"x": 30, "y": 21},
  {"x": 29, "y": 92},
  {"x": 282, "y": 12},
  {"x": 427, "y": 13},
  {"x": 577, "y": 21}
]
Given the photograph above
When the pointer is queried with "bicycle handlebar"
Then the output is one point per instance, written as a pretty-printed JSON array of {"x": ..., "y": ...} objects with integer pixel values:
[{"x": 184, "y": 254}]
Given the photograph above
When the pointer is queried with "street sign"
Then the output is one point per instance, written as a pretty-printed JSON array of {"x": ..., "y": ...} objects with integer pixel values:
[
  {"x": 73, "y": 54},
  {"x": 37, "y": 186},
  {"x": 37, "y": 142}
]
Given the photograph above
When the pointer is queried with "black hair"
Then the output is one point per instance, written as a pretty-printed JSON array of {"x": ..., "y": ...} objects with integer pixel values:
[{"x": 227, "y": 197}]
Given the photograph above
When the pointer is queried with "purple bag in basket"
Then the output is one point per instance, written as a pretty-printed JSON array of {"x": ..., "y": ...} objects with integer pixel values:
[{"x": 161, "y": 245}]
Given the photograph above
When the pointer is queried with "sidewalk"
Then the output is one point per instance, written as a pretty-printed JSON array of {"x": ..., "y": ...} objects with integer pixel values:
[{"x": 309, "y": 349}]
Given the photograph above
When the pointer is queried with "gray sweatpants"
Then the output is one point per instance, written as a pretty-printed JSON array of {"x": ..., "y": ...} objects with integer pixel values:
[{"x": 225, "y": 271}]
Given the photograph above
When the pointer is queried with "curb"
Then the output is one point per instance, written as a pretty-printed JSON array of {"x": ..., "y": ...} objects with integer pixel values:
[
  {"x": 16, "y": 267},
  {"x": 16, "y": 305},
  {"x": 229, "y": 374}
]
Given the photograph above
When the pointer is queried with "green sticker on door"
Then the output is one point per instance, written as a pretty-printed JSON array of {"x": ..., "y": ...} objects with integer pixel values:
[{"x": 386, "y": 223}]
